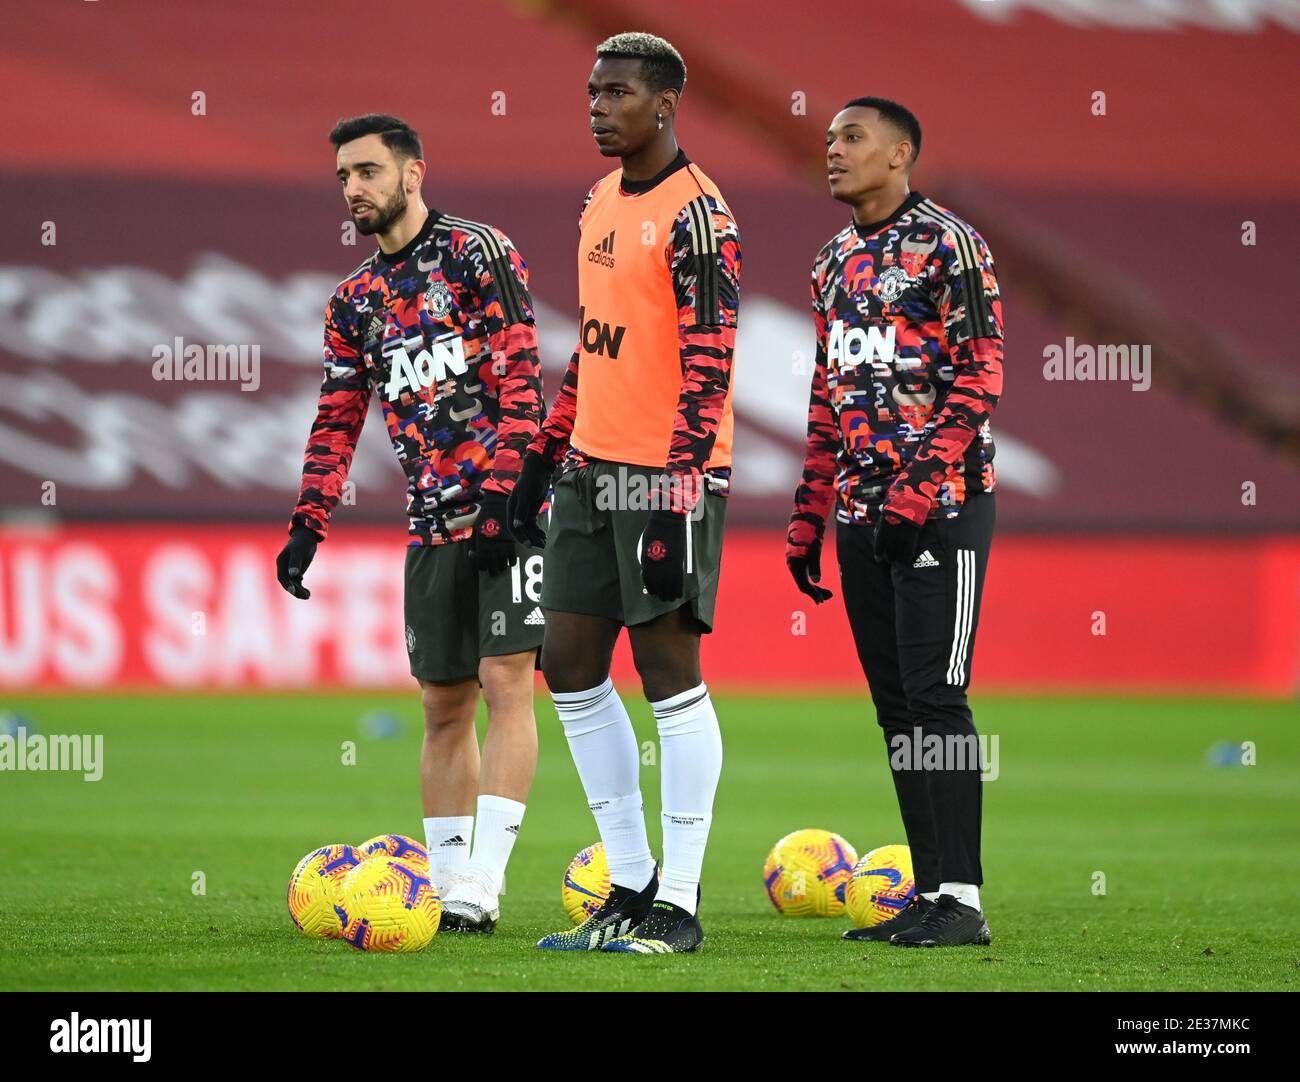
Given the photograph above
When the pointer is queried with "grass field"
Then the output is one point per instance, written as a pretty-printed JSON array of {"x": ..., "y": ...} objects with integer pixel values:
[{"x": 1202, "y": 865}]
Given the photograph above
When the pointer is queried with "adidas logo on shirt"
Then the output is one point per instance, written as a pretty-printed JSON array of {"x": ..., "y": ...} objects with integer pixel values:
[
  {"x": 535, "y": 617},
  {"x": 603, "y": 254},
  {"x": 926, "y": 560}
]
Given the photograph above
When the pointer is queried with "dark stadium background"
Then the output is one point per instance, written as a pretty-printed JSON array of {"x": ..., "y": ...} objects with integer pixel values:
[{"x": 169, "y": 499}]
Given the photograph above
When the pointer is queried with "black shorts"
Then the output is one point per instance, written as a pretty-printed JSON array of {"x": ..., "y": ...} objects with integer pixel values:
[
  {"x": 593, "y": 546},
  {"x": 457, "y": 613}
]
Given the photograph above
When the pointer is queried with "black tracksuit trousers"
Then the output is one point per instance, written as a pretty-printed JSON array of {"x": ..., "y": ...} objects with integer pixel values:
[{"x": 914, "y": 627}]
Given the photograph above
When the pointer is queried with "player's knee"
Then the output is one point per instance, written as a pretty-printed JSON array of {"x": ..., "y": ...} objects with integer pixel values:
[
  {"x": 507, "y": 682},
  {"x": 568, "y": 670},
  {"x": 940, "y": 708},
  {"x": 662, "y": 678},
  {"x": 440, "y": 723},
  {"x": 893, "y": 718},
  {"x": 448, "y": 708}
]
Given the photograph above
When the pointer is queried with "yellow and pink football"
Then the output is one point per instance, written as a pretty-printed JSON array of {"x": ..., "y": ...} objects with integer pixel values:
[
  {"x": 586, "y": 883},
  {"x": 880, "y": 886},
  {"x": 393, "y": 845},
  {"x": 315, "y": 890},
  {"x": 390, "y": 905},
  {"x": 806, "y": 873}
]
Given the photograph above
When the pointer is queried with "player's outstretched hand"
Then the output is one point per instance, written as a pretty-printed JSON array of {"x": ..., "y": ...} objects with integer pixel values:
[
  {"x": 663, "y": 555},
  {"x": 806, "y": 571},
  {"x": 895, "y": 539},
  {"x": 491, "y": 548},
  {"x": 294, "y": 559},
  {"x": 527, "y": 497}
]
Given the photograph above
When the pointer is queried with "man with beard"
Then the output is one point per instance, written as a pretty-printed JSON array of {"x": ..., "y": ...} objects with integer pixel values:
[
  {"x": 643, "y": 424},
  {"x": 909, "y": 368},
  {"x": 439, "y": 324}
]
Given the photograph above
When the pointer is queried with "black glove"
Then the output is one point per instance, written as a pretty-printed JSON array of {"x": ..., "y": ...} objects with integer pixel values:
[
  {"x": 491, "y": 548},
  {"x": 295, "y": 558},
  {"x": 527, "y": 497},
  {"x": 895, "y": 539},
  {"x": 807, "y": 571},
  {"x": 663, "y": 555}
]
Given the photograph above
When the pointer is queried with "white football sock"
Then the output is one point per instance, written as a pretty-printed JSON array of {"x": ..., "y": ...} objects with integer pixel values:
[
  {"x": 447, "y": 839},
  {"x": 690, "y": 755},
  {"x": 930, "y": 895},
  {"x": 605, "y": 751},
  {"x": 495, "y": 830},
  {"x": 966, "y": 893}
]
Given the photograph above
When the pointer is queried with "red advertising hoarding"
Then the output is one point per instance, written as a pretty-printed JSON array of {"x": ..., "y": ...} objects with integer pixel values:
[{"x": 173, "y": 608}]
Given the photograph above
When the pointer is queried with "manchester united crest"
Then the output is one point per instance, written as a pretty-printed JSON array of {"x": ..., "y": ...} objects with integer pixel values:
[
  {"x": 437, "y": 299},
  {"x": 892, "y": 284}
]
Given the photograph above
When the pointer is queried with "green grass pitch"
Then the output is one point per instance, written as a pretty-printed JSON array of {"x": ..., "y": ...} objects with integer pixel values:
[{"x": 1202, "y": 864}]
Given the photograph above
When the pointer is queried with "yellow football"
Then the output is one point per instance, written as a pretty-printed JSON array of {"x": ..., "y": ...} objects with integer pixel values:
[
  {"x": 315, "y": 890},
  {"x": 881, "y": 885},
  {"x": 390, "y": 905},
  {"x": 586, "y": 883},
  {"x": 806, "y": 873}
]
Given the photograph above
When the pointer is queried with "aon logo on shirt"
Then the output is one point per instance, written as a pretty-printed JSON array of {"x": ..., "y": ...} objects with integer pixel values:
[
  {"x": 850, "y": 348},
  {"x": 426, "y": 368},
  {"x": 599, "y": 337}
]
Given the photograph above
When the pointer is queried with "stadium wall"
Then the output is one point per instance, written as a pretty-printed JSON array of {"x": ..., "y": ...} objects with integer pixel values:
[{"x": 161, "y": 607}]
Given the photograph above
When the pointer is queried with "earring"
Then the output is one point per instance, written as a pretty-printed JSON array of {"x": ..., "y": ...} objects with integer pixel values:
[{"x": 661, "y": 121}]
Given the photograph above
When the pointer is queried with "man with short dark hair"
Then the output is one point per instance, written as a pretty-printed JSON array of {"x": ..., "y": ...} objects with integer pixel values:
[
  {"x": 438, "y": 323},
  {"x": 645, "y": 407},
  {"x": 909, "y": 368}
]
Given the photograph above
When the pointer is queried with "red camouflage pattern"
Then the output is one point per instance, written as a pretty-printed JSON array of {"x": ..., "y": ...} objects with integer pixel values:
[
  {"x": 446, "y": 338},
  {"x": 909, "y": 368}
]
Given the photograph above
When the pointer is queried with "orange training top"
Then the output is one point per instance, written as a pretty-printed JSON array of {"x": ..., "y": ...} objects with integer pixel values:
[{"x": 658, "y": 284}]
